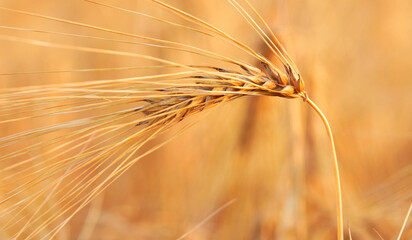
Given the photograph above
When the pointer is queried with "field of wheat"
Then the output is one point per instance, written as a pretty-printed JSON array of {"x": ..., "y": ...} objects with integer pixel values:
[{"x": 147, "y": 119}]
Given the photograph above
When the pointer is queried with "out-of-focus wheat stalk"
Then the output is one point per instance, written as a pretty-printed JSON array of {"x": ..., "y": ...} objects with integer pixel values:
[{"x": 76, "y": 158}]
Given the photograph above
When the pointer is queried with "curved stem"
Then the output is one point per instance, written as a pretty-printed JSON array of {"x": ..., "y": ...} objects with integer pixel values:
[{"x": 336, "y": 166}]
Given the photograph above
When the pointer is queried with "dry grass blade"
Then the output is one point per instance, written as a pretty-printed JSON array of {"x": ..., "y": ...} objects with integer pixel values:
[
  {"x": 350, "y": 233},
  {"x": 405, "y": 222},
  {"x": 207, "y": 219}
]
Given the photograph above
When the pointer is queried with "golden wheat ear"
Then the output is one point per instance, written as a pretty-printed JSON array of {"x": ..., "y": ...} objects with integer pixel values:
[{"x": 95, "y": 130}]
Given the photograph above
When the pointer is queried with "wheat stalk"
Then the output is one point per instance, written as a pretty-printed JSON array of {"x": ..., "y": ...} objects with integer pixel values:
[{"x": 141, "y": 108}]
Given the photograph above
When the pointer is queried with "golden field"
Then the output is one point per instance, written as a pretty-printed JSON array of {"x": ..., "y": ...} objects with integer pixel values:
[{"x": 257, "y": 167}]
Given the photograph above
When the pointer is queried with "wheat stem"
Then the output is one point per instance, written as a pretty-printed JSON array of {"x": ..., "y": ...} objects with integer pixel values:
[{"x": 336, "y": 168}]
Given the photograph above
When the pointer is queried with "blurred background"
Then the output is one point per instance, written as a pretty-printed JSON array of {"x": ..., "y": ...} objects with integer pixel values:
[{"x": 257, "y": 167}]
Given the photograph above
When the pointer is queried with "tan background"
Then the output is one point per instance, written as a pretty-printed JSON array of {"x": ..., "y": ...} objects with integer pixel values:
[{"x": 269, "y": 154}]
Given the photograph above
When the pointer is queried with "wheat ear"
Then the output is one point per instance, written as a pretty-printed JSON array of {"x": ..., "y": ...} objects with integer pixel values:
[{"x": 143, "y": 108}]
